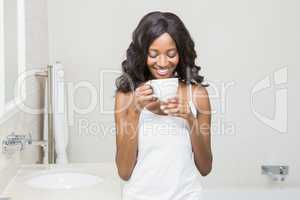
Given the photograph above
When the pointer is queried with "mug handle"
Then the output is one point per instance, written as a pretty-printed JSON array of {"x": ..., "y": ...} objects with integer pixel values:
[{"x": 149, "y": 83}]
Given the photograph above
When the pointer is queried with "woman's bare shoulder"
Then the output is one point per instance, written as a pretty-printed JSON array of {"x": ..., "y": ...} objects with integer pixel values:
[
  {"x": 201, "y": 98},
  {"x": 197, "y": 88},
  {"x": 200, "y": 90}
]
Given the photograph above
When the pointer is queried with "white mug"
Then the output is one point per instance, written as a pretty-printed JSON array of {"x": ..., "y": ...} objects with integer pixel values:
[{"x": 164, "y": 89}]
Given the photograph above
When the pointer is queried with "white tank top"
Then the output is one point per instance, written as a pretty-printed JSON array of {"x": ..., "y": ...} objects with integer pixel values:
[{"x": 165, "y": 168}]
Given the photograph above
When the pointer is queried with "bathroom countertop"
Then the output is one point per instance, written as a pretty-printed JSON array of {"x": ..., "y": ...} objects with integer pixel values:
[{"x": 109, "y": 189}]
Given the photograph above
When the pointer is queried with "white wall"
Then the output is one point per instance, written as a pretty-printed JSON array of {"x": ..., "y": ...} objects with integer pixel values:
[
  {"x": 239, "y": 43},
  {"x": 22, "y": 122}
]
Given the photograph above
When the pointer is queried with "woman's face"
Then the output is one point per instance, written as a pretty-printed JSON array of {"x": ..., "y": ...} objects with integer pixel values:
[{"x": 162, "y": 57}]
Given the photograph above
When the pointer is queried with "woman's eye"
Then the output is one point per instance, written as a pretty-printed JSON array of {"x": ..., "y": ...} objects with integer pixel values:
[
  {"x": 172, "y": 55},
  {"x": 152, "y": 55}
]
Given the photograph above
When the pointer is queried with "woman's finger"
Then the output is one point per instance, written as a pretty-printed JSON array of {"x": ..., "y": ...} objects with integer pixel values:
[
  {"x": 147, "y": 92},
  {"x": 147, "y": 98},
  {"x": 171, "y": 110},
  {"x": 185, "y": 116},
  {"x": 173, "y": 100},
  {"x": 173, "y": 105},
  {"x": 180, "y": 108},
  {"x": 143, "y": 88}
]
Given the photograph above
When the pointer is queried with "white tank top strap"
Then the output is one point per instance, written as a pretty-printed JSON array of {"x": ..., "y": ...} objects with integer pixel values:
[
  {"x": 190, "y": 92},
  {"x": 190, "y": 101}
]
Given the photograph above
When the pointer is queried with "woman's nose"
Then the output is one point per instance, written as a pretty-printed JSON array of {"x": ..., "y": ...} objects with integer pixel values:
[{"x": 162, "y": 61}]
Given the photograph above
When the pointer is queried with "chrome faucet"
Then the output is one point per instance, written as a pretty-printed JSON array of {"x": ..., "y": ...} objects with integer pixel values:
[
  {"x": 16, "y": 142},
  {"x": 275, "y": 172}
]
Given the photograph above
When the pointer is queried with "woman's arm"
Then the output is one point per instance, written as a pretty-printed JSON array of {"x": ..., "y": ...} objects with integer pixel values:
[
  {"x": 126, "y": 119},
  {"x": 200, "y": 131}
]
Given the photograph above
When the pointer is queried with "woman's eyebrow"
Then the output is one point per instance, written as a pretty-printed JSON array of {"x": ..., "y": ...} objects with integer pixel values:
[{"x": 158, "y": 50}]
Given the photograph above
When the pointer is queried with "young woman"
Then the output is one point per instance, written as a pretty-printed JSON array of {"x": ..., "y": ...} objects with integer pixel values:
[{"x": 162, "y": 147}]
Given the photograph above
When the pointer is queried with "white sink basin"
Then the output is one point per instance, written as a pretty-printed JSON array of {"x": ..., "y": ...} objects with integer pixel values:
[{"x": 63, "y": 180}]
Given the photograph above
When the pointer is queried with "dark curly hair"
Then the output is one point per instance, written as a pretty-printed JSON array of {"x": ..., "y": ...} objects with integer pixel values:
[{"x": 151, "y": 26}]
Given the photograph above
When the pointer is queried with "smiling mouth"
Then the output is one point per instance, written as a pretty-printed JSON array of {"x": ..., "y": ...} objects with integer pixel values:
[{"x": 162, "y": 72}]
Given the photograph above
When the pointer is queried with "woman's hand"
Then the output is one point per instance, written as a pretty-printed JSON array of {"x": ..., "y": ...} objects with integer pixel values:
[
  {"x": 175, "y": 107},
  {"x": 143, "y": 96}
]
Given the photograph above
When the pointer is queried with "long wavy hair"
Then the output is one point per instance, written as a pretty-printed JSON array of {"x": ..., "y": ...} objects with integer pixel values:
[{"x": 151, "y": 26}]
